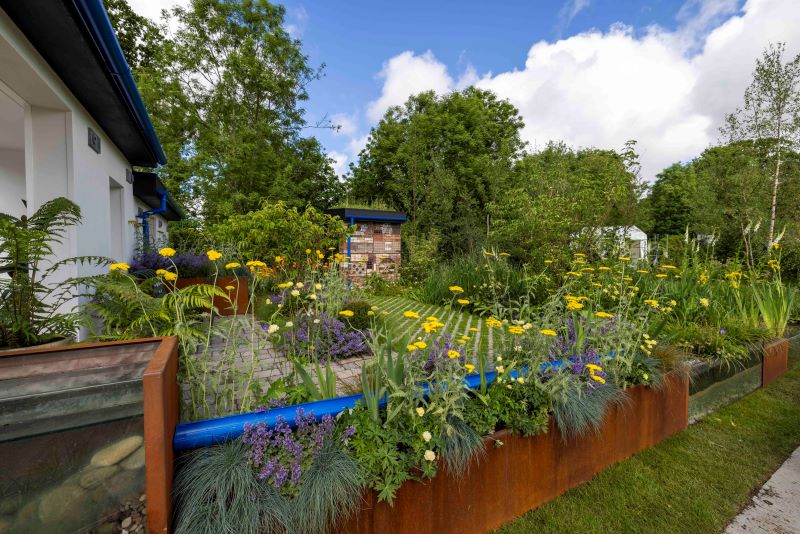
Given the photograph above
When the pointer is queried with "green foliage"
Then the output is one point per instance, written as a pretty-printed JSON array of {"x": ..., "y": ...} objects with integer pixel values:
[
  {"x": 224, "y": 88},
  {"x": 674, "y": 201},
  {"x": 277, "y": 229},
  {"x": 325, "y": 385},
  {"x": 363, "y": 315},
  {"x": 377, "y": 285},
  {"x": 775, "y": 302},
  {"x": 442, "y": 160},
  {"x": 558, "y": 192},
  {"x": 422, "y": 256},
  {"x": 36, "y": 301},
  {"x": 522, "y": 408},
  {"x": 216, "y": 491}
]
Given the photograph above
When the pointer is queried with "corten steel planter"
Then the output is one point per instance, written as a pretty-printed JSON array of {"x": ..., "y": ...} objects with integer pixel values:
[
  {"x": 524, "y": 473},
  {"x": 239, "y": 294},
  {"x": 776, "y": 360}
]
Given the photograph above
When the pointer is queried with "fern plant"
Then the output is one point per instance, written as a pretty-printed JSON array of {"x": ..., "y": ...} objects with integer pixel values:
[{"x": 33, "y": 307}]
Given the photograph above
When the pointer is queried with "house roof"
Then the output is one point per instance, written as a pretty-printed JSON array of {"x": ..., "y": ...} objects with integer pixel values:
[
  {"x": 148, "y": 188},
  {"x": 367, "y": 215},
  {"x": 76, "y": 39}
]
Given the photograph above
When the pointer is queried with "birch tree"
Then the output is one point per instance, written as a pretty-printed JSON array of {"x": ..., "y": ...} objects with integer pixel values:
[{"x": 771, "y": 113}]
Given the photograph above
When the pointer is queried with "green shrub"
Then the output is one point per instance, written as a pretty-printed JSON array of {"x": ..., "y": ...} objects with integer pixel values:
[
  {"x": 362, "y": 318},
  {"x": 276, "y": 229}
]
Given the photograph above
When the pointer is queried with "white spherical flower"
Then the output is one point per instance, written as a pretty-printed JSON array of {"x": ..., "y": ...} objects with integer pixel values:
[
  {"x": 426, "y": 436},
  {"x": 318, "y": 286},
  {"x": 430, "y": 455},
  {"x": 316, "y": 321},
  {"x": 420, "y": 411},
  {"x": 272, "y": 328},
  {"x": 299, "y": 285},
  {"x": 289, "y": 324}
]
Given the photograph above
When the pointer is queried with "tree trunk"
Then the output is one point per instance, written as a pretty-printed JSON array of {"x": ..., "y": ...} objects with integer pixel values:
[{"x": 775, "y": 183}]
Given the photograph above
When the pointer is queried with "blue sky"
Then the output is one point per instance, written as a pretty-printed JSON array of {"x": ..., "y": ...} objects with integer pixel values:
[{"x": 588, "y": 72}]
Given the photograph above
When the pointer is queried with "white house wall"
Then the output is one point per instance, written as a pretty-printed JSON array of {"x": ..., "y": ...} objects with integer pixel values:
[{"x": 58, "y": 160}]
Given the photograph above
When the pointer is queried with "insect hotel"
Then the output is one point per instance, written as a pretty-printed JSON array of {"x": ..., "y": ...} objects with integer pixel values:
[{"x": 374, "y": 244}]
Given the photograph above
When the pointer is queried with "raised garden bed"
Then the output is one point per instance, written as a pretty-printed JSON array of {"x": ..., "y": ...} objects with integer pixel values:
[{"x": 524, "y": 473}]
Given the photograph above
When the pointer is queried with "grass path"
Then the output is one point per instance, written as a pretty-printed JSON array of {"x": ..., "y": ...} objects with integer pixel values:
[
  {"x": 456, "y": 321},
  {"x": 695, "y": 482}
]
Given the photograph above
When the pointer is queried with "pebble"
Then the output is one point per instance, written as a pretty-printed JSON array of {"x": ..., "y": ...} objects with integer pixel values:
[
  {"x": 127, "y": 522},
  {"x": 116, "y": 452}
]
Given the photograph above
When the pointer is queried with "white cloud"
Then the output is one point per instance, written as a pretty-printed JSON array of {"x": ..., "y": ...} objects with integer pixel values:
[
  {"x": 296, "y": 21},
  {"x": 669, "y": 90},
  {"x": 356, "y": 145},
  {"x": 407, "y": 74},
  {"x": 152, "y": 8},
  {"x": 569, "y": 11},
  {"x": 339, "y": 162},
  {"x": 348, "y": 124}
]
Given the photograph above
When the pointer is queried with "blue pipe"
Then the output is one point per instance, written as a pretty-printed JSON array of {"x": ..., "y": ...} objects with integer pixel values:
[
  {"x": 212, "y": 431},
  {"x": 149, "y": 213},
  {"x": 96, "y": 21}
]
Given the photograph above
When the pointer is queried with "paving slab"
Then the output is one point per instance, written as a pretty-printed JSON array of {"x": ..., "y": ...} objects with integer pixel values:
[{"x": 775, "y": 509}]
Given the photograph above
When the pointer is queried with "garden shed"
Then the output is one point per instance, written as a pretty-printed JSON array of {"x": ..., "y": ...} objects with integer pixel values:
[{"x": 374, "y": 244}]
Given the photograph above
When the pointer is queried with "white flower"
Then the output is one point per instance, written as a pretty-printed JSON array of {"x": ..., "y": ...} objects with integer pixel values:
[
  {"x": 299, "y": 285},
  {"x": 289, "y": 324},
  {"x": 420, "y": 411},
  {"x": 430, "y": 455},
  {"x": 295, "y": 293},
  {"x": 527, "y": 326},
  {"x": 426, "y": 436},
  {"x": 500, "y": 369},
  {"x": 317, "y": 286},
  {"x": 499, "y": 358},
  {"x": 272, "y": 328},
  {"x": 313, "y": 296},
  {"x": 316, "y": 321}
]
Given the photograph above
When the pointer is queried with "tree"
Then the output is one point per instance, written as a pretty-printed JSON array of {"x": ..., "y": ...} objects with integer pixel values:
[
  {"x": 442, "y": 160},
  {"x": 559, "y": 192},
  {"x": 771, "y": 113},
  {"x": 673, "y": 200},
  {"x": 224, "y": 91},
  {"x": 138, "y": 36}
]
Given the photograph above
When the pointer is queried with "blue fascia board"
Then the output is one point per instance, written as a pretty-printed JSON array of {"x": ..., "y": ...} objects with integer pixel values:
[{"x": 96, "y": 20}]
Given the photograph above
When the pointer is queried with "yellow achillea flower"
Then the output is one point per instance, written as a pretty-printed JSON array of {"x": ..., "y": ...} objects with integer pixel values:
[
  {"x": 597, "y": 284},
  {"x": 505, "y": 254},
  {"x": 641, "y": 271},
  {"x": 170, "y": 277},
  {"x": 652, "y": 302},
  {"x": 548, "y": 332},
  {"x": 346, "y": 313},
  {"x": 580, "y": 255},
  {"x": 603, "y": 315},
  {"x": 456, "y": 289},
  {"x": 213, "y": 255},
  {"x": 668, "y": 267},
  {"x": 121, "y": 267},
  {"x": 572, "y": 273},
  {"x": 662, "y": 275},
  {"x": 593, "y": 367},
  {"x": 603, "y": 268},
  {"x": 469, "y": 367},
  {"x": 574, "y": 305},
  {"x": 232, "y": 265},
  {"x": 624, "y": 258},
  {"x": 473, "y": 329},
  {"x": 421, "y": 344},
  {"x": 161, "y": 272},
  {"x": 432, "y": 326},
  {"x": 411, "y": 314},
  {"x": 286, "y": 284},
  {"x": 588, "y": 269},
  {"x": 463, "y": 302},
  {"x": 230, "y": 288},
  {"x": 492, "y": 322},
  {"x": 167, "y": 252},
  {"x": 704, "y": 302},
  {"x": 411, "y": 348},
  {"x": 431, "y": 318},
  {"x": 453, "y": 354},
  {"x": 598, "y": 378},
  {"x": 548, "y": 261},
  {"x": 627, "y": 278},
  {"x": 516, "y": 330}
]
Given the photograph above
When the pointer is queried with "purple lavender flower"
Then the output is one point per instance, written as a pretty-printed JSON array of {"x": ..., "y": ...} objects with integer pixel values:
[{"x": 329, "y": 337}]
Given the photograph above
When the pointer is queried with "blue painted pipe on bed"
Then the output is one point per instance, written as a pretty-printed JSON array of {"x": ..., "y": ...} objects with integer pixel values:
[{"x": 212, "y": 431}]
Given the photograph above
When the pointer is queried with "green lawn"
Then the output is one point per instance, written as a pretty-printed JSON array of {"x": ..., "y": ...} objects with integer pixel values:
[
  {"x": 456, "y": 321},
  {"x": 696, "y": 481}
]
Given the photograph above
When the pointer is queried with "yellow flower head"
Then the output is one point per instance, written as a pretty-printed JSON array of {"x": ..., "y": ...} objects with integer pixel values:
[
  {"x": 420, "y": 411},
  {"x": 421, "y": 344},
  {"x": 548, "y": 261},
  {"x": 593, "y": 367},
  {"x": 453, "y": 354},
  {"x": 597, "y": 378},
  {"x": 652, "y": 302},
  {"x": 641, "y": 271},
  {"x": 624, "y": 258},
  {"x": 603, "y": 315},
  {"x": 603, "y": 268},
  {"x": 463, "y": 302},
  {"x": 232, "y": 265},
  {"x": 492, "y": 322},
  {"x": 574, "y": 305},
  {"x": 167, "y": 252},
  {"x": 548, "y": 332},
  {"x": 213, "y": 255},
  {"x": 456, "y": 289},
  {"x": 516, "y": 330},
  {"x": 473, "y": 329},
  {"x": 572, "y": 273},
  {"x": 285, "y": 285},
  {"x": 119, "y": 267},
  {"x": 411, "y": 348},
  {"x": 171, "y": 277},
  {"x": 506, "y": 254},
  {"x": 662, "y": 275},
  {"x": 230, "y": 288},
  {"x": 161, "y": 272},
  {"x": 346, "y": 313},
  {"x": 704, "y": 302},
  {"x": 469, "y": 367},
  {"x": 410, "y": 314}
]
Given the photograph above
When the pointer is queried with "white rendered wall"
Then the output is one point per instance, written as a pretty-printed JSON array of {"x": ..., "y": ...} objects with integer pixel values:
[{"x": 12, "y": 181}]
